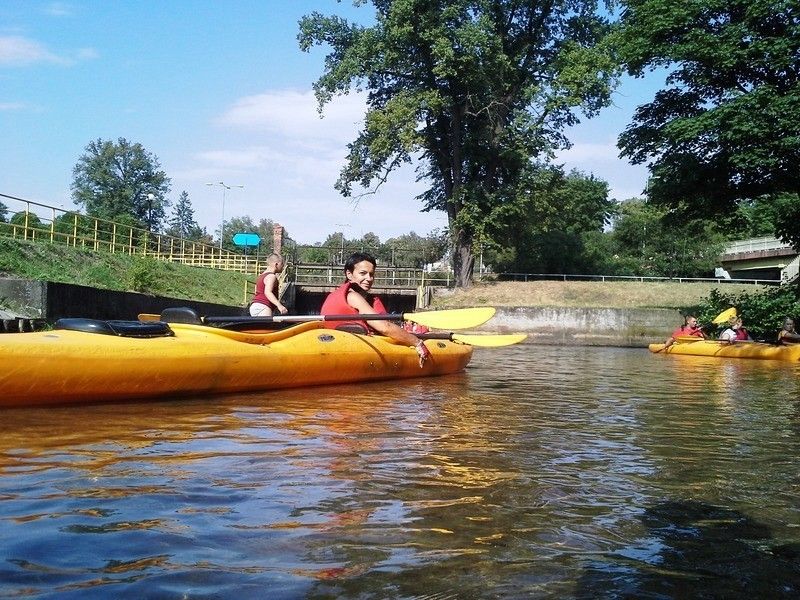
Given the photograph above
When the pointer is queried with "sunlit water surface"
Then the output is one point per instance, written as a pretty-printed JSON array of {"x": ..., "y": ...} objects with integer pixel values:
[{"x": 539, "y": 472}]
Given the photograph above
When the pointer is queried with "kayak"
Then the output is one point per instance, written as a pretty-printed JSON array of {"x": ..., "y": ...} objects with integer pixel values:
[
  {"x": 86, "y": 360},
  {"x": 757, "y": 350}
]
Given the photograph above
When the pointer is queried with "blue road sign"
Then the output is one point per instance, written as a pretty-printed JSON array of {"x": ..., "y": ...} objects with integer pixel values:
[{"x": 246, "y": 239}]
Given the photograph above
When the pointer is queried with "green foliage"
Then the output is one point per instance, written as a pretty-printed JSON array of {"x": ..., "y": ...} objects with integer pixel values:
[
  {"x": 556, "y": 214},
  {"x": 724, "y": 131},
  {"x": 473, "y": 90},
  {"x": 116, "y": 180},
  {"x": 26, "y": 218},
  {"x": 3, "y": 212},
  {"x": 143, "y": 275},
  {"x": 182, "y": 223},
  {"x": 762, "y": 312}
]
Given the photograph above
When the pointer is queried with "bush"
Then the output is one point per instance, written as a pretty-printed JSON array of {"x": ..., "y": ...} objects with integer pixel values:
[{"x": 762, "y": 312}]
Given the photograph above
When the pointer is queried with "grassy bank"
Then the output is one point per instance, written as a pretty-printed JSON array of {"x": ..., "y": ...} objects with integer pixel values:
[
  {"x": 48, "y": 262},
  {"x": 585, "y": 294},
  {"x": 122, "y": 272}
]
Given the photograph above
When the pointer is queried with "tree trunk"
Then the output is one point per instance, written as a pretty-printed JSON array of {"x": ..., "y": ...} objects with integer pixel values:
[{"x": 463, "y": 259}]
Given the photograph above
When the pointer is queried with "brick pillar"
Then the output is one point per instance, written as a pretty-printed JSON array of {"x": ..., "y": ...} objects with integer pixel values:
[{"x": 277, "y": 238}]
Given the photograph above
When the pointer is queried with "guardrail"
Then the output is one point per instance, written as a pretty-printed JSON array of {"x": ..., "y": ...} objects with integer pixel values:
[
  {"x": 642, "y": 278},
  {"x": 756, "y": 245},
  {"x": 35, "y": 222}
]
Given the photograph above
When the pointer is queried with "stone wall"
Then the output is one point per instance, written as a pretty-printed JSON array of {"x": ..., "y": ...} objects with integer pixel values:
[{"x": 635, "y": 327}]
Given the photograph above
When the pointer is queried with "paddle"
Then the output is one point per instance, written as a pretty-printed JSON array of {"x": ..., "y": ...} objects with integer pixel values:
[
  {"x": 457, "y": 318},
  {"x": 487, "y": 341}
]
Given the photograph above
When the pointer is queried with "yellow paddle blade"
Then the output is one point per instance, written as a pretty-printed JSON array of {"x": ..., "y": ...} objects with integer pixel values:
[
  {"x": 725, "y": 316},
  {"x": 457, "y": 318},
  {"x": 148, "y": 317},
  {"x": 489, "y": 341}
]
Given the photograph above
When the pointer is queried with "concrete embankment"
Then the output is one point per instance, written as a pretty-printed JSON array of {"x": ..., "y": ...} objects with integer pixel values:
[{"x": 634, "y": 327}]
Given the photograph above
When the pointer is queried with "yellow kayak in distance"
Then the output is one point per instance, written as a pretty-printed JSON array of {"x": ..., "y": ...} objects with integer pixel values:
[
  {"x": 720, "y": 349},
  {"x": 110, "y": 360}
]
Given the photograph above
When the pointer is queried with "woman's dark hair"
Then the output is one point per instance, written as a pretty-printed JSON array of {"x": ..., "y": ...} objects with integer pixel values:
[{"x": 356, "y": 258}]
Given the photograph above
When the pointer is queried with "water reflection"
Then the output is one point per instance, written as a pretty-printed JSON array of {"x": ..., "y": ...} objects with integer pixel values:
[{"x": 541, "y": 472}]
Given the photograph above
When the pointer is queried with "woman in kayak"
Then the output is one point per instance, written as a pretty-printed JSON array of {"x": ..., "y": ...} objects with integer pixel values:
[
  {"x": 353, "y": 297},
  {"x": 265, "y": 300},
  {"x": 690, "y": 328},
  {"x": 788, "y": 335}
]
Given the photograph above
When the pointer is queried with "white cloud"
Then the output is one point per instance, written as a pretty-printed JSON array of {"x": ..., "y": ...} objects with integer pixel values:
[
  {"x": 294, "y": 115},
  {"x": 12, "y": 106},
  {"x": 17, "y": 51},
  {"x": 58, "y": 9}
]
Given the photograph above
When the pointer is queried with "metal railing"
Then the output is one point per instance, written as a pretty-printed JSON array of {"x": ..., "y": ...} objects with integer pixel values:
[
  {"x": 759, "y": 244},
  {"x": 35, "y": 222},
  {"x": 641, "y": 278}
]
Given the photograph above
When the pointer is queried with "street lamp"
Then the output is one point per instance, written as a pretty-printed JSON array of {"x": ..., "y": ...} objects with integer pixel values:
[
  {"x": 222, "y": 225},
  {"x": 150, "y": 198},
  {"x": 342, "y": 225}
]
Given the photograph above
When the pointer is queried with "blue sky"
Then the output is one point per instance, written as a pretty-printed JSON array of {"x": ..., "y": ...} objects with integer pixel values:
[{"x": 218, "y": 91}]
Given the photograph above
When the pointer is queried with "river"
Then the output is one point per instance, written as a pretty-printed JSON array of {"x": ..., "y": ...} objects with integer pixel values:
[{"x": 540, "y": 472}]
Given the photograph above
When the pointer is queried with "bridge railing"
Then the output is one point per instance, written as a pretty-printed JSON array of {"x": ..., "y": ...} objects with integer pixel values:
[{"x": 756, "y": 245}]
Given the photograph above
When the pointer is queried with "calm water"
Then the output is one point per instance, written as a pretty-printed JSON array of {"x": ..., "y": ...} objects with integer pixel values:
[{"x": 540, "y": 472}]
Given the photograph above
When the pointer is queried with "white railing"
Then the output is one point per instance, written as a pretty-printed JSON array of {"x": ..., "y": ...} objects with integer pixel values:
[{"x": 760, "y": 244}]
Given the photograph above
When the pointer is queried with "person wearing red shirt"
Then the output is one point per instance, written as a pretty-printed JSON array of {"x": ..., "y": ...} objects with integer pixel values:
[
  {"x": 353, "y": 297},
  {"x": 690, "y": 328}
]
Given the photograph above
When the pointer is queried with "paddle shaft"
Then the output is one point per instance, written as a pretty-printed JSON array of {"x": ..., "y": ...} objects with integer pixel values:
[{"x": 306, "y": 318}]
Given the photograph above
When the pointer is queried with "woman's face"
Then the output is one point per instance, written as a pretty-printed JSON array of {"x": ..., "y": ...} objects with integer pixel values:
[{"x": 363, "y": 274}]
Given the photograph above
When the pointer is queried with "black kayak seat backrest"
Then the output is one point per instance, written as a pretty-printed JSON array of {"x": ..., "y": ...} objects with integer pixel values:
[
  {"x": 137, "y": 329},
  {"x": 181, "y": 314}
]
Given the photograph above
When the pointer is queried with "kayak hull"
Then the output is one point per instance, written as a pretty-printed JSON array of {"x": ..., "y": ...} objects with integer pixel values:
[
  {"x": 752, "y": 350},
  {"x": 63, "y": 366}
]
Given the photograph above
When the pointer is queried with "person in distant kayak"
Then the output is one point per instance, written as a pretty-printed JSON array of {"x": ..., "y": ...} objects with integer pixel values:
[
  {"x": 787, "y": 335},
  {"x": 690, "y": 328},
  {"x": 353, "y": 297},
  {"x": 265, "y": 301},
  {"x": 735, "y": 332}
]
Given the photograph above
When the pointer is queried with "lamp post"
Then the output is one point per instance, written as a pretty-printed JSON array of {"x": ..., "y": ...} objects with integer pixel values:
[
  {"x": 342, "y": 225},
  {"x": 222, "y": 225},
  {"x": 150, "y": 198}
]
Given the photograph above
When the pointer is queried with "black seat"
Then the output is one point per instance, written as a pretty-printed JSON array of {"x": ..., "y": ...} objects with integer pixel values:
[{"x": 136, "y": 329}]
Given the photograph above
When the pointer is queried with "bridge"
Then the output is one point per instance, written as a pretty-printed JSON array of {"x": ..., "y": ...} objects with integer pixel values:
[{"x": 761, "y": 258}]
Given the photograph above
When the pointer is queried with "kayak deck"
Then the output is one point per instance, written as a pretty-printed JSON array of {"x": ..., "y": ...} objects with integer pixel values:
[
  {"x": 65, "y": 366},
  {"x": 716, "y": 348}
]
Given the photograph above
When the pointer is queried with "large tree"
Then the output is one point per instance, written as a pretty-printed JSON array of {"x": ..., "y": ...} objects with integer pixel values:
[
  {"x": 473, "y": 89},
  {"x": 114, "y": 180},
  {"x": 725, "y": 129}
]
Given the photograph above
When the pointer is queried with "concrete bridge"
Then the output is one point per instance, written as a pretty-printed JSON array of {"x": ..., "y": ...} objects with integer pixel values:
[{"x": 761, "y": 258}]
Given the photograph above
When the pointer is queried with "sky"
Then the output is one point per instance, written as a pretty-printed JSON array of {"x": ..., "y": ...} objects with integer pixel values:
[{"x": 220, "y": 92}]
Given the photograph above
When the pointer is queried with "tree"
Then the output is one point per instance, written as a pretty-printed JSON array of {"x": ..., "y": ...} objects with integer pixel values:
[
  {"x": 115, "y": 179},
  {"x": 556, "y": 212},
  {"x": 182, "y": 223},
  {"x": 412, "y": 249},
  {"x": 724, "y": 131},
  {"x": 3, "y": 212},
  {"x": 472, "y": 89}
]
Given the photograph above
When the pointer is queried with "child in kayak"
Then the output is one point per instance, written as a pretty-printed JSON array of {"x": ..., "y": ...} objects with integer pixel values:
[
  {"x": 353, "y": 297},
  {"x": 265, "y": 300}
]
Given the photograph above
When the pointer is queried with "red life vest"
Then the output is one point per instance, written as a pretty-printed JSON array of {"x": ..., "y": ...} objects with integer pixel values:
[{"x": 336, "y": 304}]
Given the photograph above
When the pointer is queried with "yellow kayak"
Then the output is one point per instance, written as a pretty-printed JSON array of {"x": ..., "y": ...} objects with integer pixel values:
[
  {"x": 757, "y": 350},
  {"x": 116, "y": 360}
]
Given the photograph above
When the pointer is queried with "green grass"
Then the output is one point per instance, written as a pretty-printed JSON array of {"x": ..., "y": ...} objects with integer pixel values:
[{"x": 122, "y": 272}]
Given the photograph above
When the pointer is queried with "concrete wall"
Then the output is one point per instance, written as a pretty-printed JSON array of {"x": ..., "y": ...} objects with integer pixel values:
[
  {"x": 636, "y": 327},
  {"x": 51, "y": 301}
]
